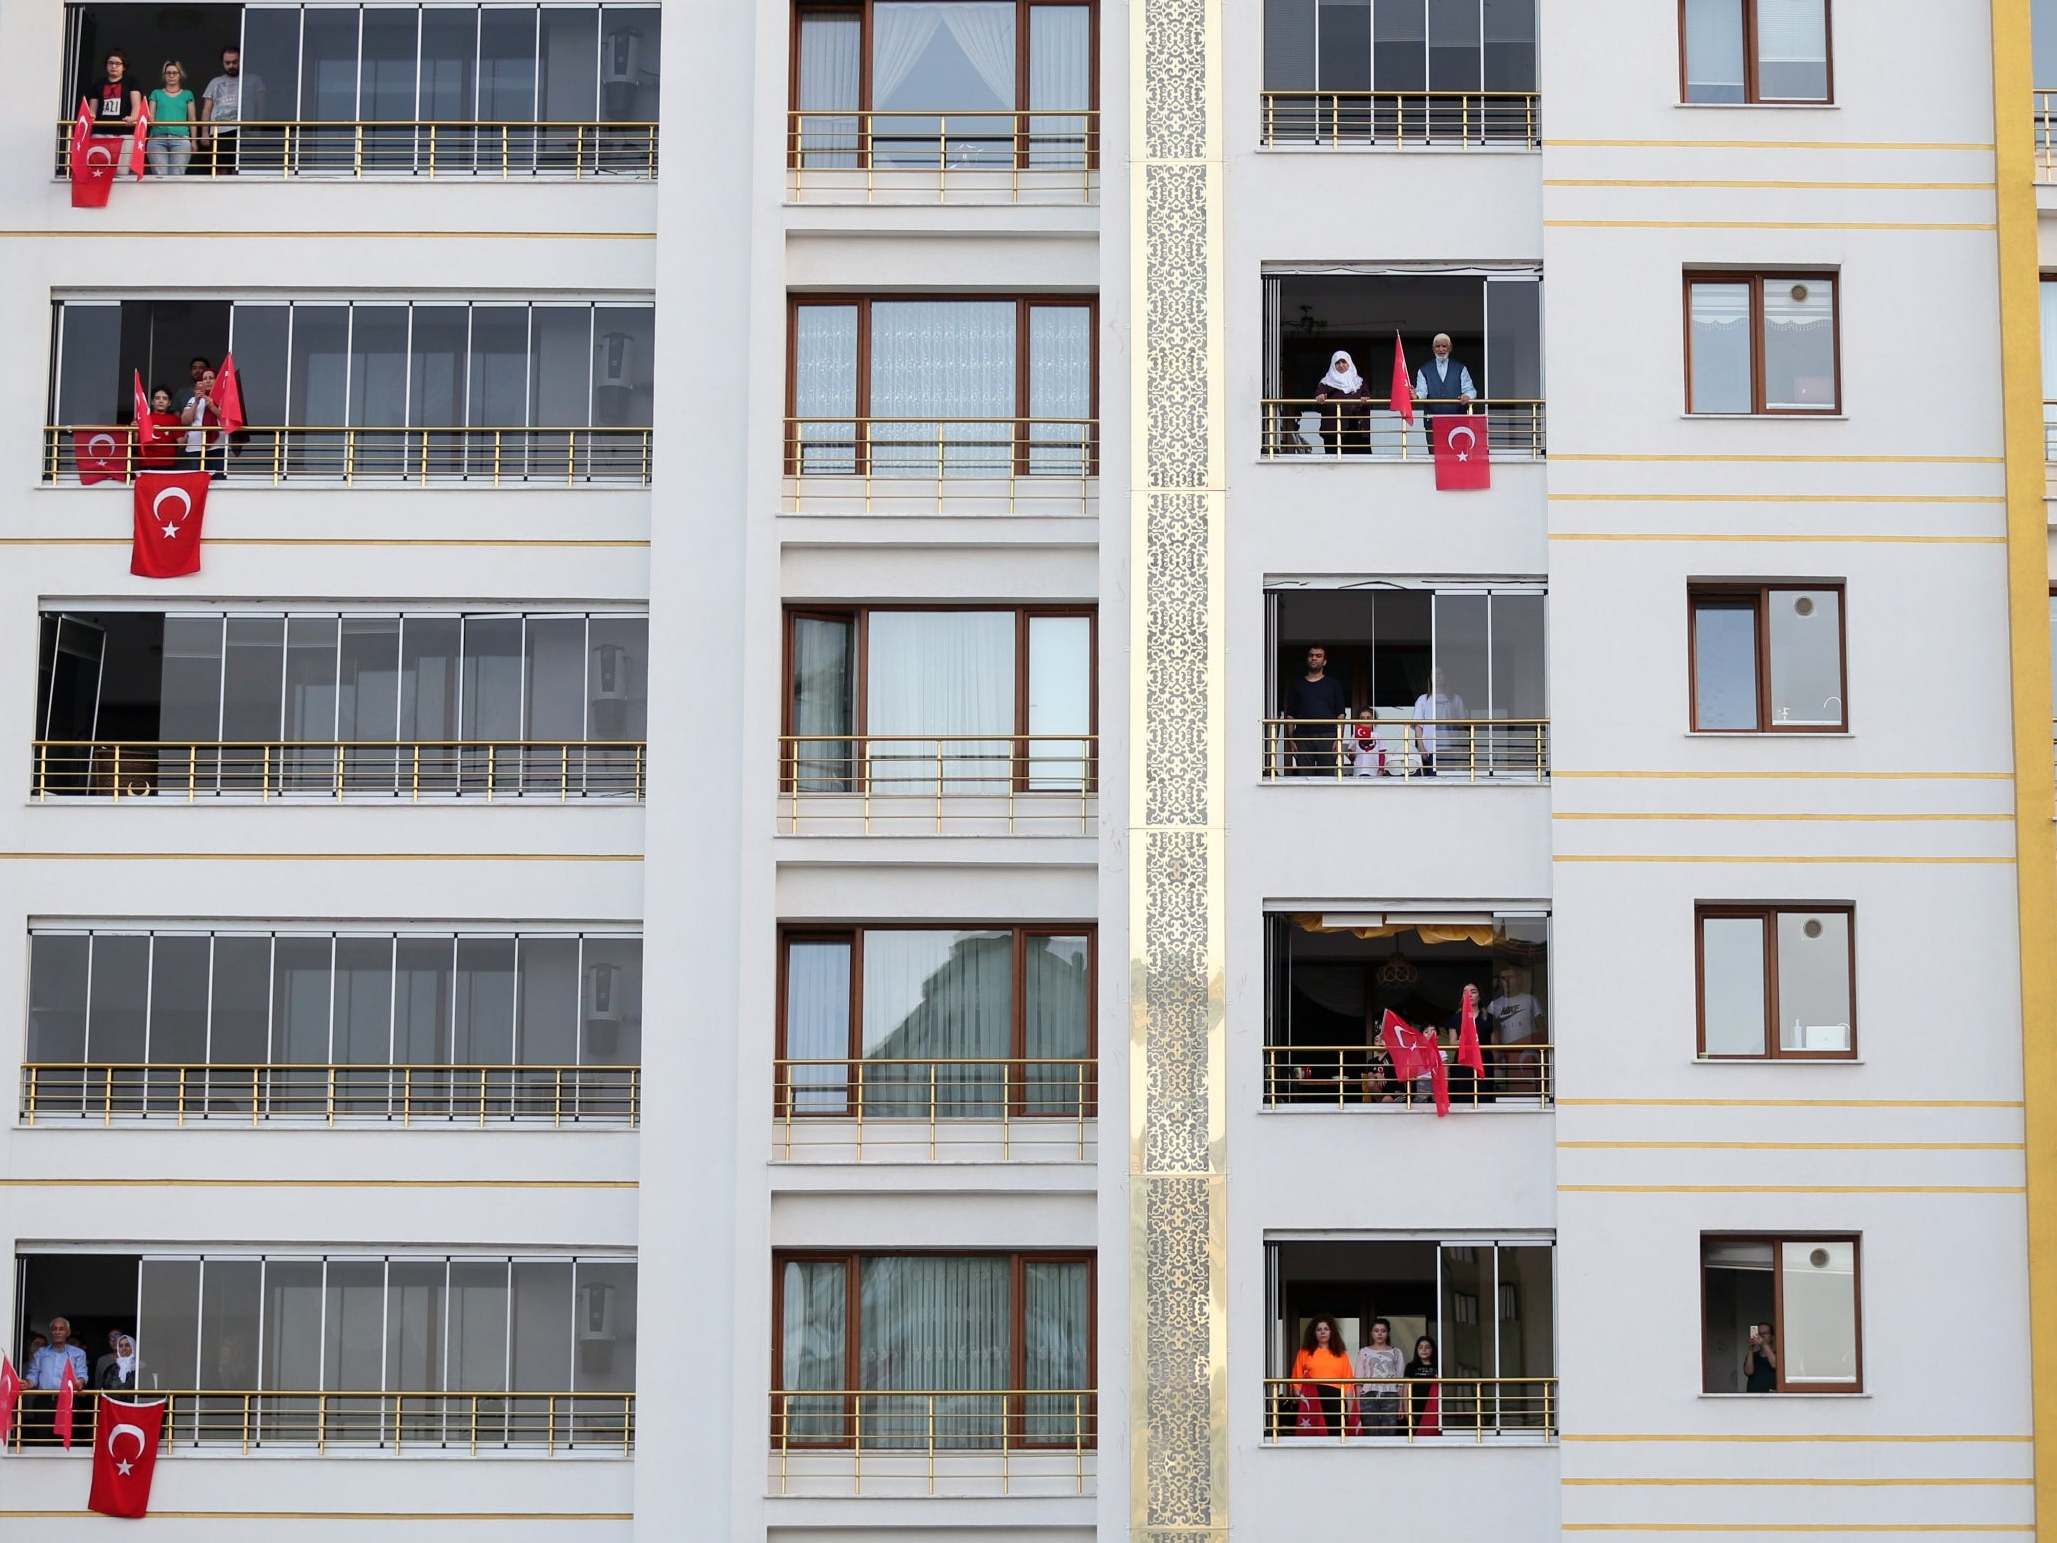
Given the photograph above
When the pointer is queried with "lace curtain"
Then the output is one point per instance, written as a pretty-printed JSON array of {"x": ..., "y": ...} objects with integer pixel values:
[
  {"x": 813, "y": 1341},
  {"x": 1060, "y": 55},
  {"x": 936, "y": 1000},
  {"x": 934, "y": 1323},
  {"x": 818, "y": 1024},
  {"x": 831, "y": 47},
  {"x": 946, "y": 678}
]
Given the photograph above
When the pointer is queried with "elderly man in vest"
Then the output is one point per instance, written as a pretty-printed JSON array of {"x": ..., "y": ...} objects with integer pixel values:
[{"x": 1442, "y": 379}]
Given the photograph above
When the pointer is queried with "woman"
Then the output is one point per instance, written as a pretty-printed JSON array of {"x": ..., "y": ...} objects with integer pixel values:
[
  {"x": 118, "y": 1373},
  {"x": 1323, "y": 1370},
  {"x": 1760, "y": 1365},
  {"x": 198, "y": 414},
  {"x": 1425, "y": 1397},
  {"x": 1464, "y": 1080},
  {"x": 1380, "y": 1366},
  {"x": 117, "y": 101},
  {"x": 171, "y": 123},
  {"x": 1352, "y": 424},
  {"x": 158, "y": 454}
]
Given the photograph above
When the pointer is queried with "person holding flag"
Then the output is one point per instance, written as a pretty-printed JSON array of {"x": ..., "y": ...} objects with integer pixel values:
[
  {"x": 202, "y": 410},
  {"x": 93, "y": 162},
  {"x": 1470, "y": 1059}
]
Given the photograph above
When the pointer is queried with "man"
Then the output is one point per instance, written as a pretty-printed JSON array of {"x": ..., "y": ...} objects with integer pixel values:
[
  {"x": 1436, "y": 711},
  {"x": 1442, "y": 379},
  {"x": 46, "y": 1367},
  {"x": 1312, "y": 696},
  {"x": 221, "y": 109},
  {"x": 1517, "y": 1023}
]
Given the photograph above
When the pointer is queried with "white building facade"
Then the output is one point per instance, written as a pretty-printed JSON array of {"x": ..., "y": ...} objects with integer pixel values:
[{"x": 736, "y": 904}]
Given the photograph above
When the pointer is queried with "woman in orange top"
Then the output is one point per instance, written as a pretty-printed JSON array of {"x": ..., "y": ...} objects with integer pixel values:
[{"x": 1325, "y": 1357}]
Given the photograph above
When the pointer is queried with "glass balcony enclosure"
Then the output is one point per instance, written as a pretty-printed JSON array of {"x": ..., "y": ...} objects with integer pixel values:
[
  {"x": 341, "y": 705},
  {"x": 440, "y": 90}
]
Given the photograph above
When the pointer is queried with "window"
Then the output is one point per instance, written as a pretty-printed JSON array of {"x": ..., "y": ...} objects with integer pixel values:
[
  {"x": 1767, "y": 658},
  {"x": 965, "y": 1023},
  {"x": 1780, "y": 1314},
  {"x": 1777, "y": 981},
  {"x": 981, "y": 701},
  {"x": 1762, "y": 343},
  {"x": 959, "y": 1352},
  {"x": 937, "y": 84},
  {"x": 922, "y": 388},
  {"x": 1755, "y": 51}
]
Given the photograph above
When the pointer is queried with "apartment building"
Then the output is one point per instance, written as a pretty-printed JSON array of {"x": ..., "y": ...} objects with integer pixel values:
[{"x": 781, "y": 878}]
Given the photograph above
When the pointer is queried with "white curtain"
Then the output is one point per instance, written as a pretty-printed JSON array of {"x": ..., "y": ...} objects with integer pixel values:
[
  {"x": 825, "y": 388},
  {"x": 1060, "y": 58},
  {"x": 983, "y": 31},
  {"x": 823, "y": 700},
  {"x": 1714, "y": 50},
  {"x": 901, "y": 31},
  {"x": 1055, "y": 1334},
  {"x": 946, "y": 677},
  {"x": 929, "y": 1322},
  {"x": 1060, "y": 387},
  {"x": 1060, "y": 691},
  {"x": 932, "y": 998},
  {"x": 831, "y": 47},
  {"x": 813, "y": 1336},
  {"x": 818, "y": 1024},
  {"x": 947, "y": 365},
  {"x": 1056, "y": 1025}
]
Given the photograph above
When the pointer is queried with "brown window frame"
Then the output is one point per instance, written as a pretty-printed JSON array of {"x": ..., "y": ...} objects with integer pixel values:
[
  {"x": 859, "y": 616},
  {"x": 852, "y": 933},
  {"x": 1757, "y": 278},
  {"x": 1768, "y": 912},
  {"x": 852, "y": 1261},
  {"x": 1752, "y": 95},
  {"x": 1731, "y": 594},
  {"x": 1778, "y": 1304},
  {"x": 862, "y": 10},
  {"x": 1024, "y": 303}
]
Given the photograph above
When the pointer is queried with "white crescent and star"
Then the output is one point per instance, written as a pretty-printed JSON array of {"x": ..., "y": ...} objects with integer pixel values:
[
  {"x": 121, "y": 1464},
  {"x": 185, "y": 508},
  {"x": 1471, "y": 440},
  {"x": 94, "y": 444},
  {"x": 99, "y": 154}
]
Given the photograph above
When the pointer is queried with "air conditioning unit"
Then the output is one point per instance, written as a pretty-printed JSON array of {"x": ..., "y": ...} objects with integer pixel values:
[
  {"x": 612, "y": 667},
  {"x": 596, "y": 1313},
  {"x": 619, "y": 56},
  {"x": 603, "y": 993},
  {"x": 614, "y": 359}
]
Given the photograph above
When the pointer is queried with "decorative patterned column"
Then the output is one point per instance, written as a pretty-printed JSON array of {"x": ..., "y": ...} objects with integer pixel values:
[{"x": 1177, "y": 848}]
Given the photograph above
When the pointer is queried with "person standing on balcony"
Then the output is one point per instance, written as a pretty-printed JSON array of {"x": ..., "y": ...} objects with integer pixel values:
[
  {"x": 221, "y": 110},
  {"x": 117, "y": 101},
  {"x": 116, "y": 1372},
  {"x": 1517, "y": 1025},
  {"x": 1323, "y": 1368},
  {"x": 157, "y": 455},
  {"x": 1425, "y": 1397},
  {"x": 1436, "y": 712},
  {"x": 1380, "y": 1366},
  {"x": 1352, "y": 424},
  {"x": 46, "y": 1367},
  {"x": 171, "y": 123},
  {"x": 200, "y": 412},
  {"x": 1442, "y": 379},
  {"x": 1312, "y": 698}
]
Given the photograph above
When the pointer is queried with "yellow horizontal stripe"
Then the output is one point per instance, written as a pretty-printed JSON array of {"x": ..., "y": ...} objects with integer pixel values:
[
  {"x": 1901, "y": 225},
  {"x": 1798, "y": 1527},
  {"x": 254, "y": 1183},
  {"x": 323, "y": 857},
  {"x": 1744, "y": 537},
  {"x": 1767, "y": 144},
  {"x": 1559, "y": 774},
  {"x": 1649, "y": 814},
  {"x": 1792, "y": 1146},
  {"x": 1783, "y": 857},
  {"x": 1788, "y": 460},
  {"x": 1792, "y": 1190},
  {"x": 451, "y": 541},
  {"x": 1683, "y": 183},
  {"x": 1794, "y": 1103},
  {"x": 1754, "y": 1437},
  {"x": 1777, "y": 498},
  {"x": 1809, "y": 1483}
]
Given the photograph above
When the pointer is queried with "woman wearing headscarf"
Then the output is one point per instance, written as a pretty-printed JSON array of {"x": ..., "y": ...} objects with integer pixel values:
[
  {"x": 1351, "y": 425},
  {"x": 118, "y": 1371}
]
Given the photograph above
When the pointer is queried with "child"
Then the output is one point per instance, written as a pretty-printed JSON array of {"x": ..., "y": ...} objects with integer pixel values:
[{"x": 1369, "y": 757}]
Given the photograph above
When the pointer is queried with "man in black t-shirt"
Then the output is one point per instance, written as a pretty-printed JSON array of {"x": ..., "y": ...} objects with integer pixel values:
[{"x": 1313, "y": 696}]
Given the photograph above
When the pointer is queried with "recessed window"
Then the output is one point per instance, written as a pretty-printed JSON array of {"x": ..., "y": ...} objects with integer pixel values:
[
  {"x": 1776, "y": 981},
  {"x": 1738, "y": 51},
  {"x": 1762, "y": 343},
  {"x": 1767, "y": 658},
  {"x": 1780, "y": 1314}
]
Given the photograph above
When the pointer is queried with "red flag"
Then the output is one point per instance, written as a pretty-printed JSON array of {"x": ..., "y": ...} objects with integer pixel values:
[
  {"x": 94, "y": 161},
  {"x": 1468, "y": 1053},
  {"x": 67, "y": 1395},
  {"x": 10, "y": 1394},
  {"x": 81, "y": 128},
  {"x": 228, "y": 397},
  {"x": 1414, "y": 1053},
  {"x": 1463, "y": 453},
  {"x": 137, "y": 158},
  {"x": 169, "y": 508},
  {"x": 124, "y": 1456},
  {"x": 1403, "y": 385},
  {"x": 146, "y": 431},
  {"x": 99, "y": 455}
]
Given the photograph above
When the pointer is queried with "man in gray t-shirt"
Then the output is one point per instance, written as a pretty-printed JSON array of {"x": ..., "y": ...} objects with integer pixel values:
[{"x": 221, "y": 108}]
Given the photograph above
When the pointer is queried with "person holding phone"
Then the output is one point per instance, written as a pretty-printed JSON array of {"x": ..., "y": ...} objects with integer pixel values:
[{"x": 1760, "y": 1363}]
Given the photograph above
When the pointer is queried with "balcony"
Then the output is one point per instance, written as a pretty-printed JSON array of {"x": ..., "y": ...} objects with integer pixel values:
[
  {"x": 1401, "y": 120},
  {"x": 954, "y": 1108},
  {"x": 1358, "y": 1078},
  {"x": 331, "y": 150},
  {"x": 1368, "y": 429},
  {"x": 938, "y": 785},
  {"x": 2046, "y": 136},
  {"x": 297, "y": 1422},
  {"x": 341, "y": 771},
  {"x": 1394, "y": 746},
  {"x": 222, "y": 1093},
  {"x": 923, "y": 466},
  {"x": 868, "y": 1441},
  {"x": 1433, "y": 1410},
  {"x": 916, "y": 158},
  {"x": 77, "y": 455}
]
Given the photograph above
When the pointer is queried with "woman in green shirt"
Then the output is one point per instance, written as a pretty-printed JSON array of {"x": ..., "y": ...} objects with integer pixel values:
[{"x": 171, "y": 123}]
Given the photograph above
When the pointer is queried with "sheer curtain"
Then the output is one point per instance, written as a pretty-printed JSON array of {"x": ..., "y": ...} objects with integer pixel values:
[
  {"x": 948, "y": 678},
  {"x": 824, "y": 702},
  {"x": 818, "y": 1024},
  {"x": 935, "y": 1323},
  {"x": 831, "y": 47},
  {"x": 1055, "y": 1336},
  {"x": 1056, "y": 1025},
  {"x": 935, "y": 998},
  {"x": 1060, "y": 387},
  {"x": 825, "y": 388},
  {"x": 813, "y": 1336},
  {"x": 935, "y": 361},
  {"x": 1060, "y": 690},
  {"x": 901, "y": 32},
  {"x": 1792, "y": 50},
  {"x": 1060, "y": 61},
  {"x": 1714, "y": 50}
]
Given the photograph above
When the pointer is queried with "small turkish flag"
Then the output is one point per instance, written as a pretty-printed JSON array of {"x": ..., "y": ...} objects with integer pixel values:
[
  {"x": 124, "y": 1456},
  {"x": 67, "y": 1395},
  {"x": 146, "y": 431},
  {"x": 10, "y": 1395},
  {"x": 1415, "y": 1053},
  {"x": 228, "y": 397},
  {"x": 1403, "y": 390},
  {"x": 100, "y": 455},
  {"x": 1463, "y": 454},
  {"x": 94, "y": 161},
  {"x": 137, "y": 159},
  {"x": 169, "y": 508},
  {"x": 1468, "y": 1052}
]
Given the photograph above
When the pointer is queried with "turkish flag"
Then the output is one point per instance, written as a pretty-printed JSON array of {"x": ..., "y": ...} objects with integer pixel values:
[
  {"x": 146, "y": 430},
  {"x": 137, "y": 158},
  {"x": 228, "y": 397},
  {"x": 10, "y": 1395},
  {"x": 94, "y": 161},
  {"x": 67, "y": 1395},
  {"x": 1468, "y": 1053},
  {"x": 1463, "y": 453},
  {"x": 124, "y": 1456},
  {"x": 169, "y": 508},
  {"x": 1403, "y": 387},
  {"x": 1414, "y": 1053},
  {"x": 100, "y": 455}
]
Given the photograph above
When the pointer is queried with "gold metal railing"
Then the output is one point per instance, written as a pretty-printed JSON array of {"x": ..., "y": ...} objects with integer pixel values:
[
  {"x": 297, "y": 1421},
  {"x": 1408, "y": 749},
  {"x": 220, "y": 1092},
  {"x": 1036, "y": 157},
  {"x": 1005, "y": 1424},
  {"x": 2046, "y": 134},
  {"x": 1404, "y": 120},
  {"x": 340, "y": 770},
  {"x": 2050, "y": 419},
  {"x": 959, "y": 465},
  {"x": 1513, "y": 428},
  {"x": 478, "y": 457},
  {"x": 932, "y": 783},
  {"x": 1022, "y": 1097},
  {"x": 401, "y": 147},
  {"x": 1360, "y": 1077},
  {"x": 1296, "y": 1409}
]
